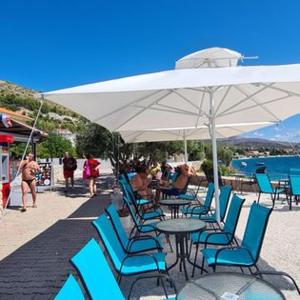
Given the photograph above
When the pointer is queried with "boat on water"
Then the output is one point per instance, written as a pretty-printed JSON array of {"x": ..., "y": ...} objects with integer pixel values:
[
  {"x": 244, "y": 164},
  {"x": 258, "y": 164}
]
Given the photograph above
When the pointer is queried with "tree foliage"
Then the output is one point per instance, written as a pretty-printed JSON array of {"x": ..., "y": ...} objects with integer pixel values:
[{"x": 55, "y": 146}]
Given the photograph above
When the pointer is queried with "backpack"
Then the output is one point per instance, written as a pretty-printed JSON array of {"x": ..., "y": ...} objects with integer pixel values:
[{"x": 86, "y": 170}]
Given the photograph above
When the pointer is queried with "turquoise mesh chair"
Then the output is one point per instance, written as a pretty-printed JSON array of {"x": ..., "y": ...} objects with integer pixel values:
[
  {"x": 139, "y": 202},
  {"x": 247, "y": 254},
  {"x": 190, "y": 194},
  {"x": 211, "y": 217},
  {"x": 127, "y": 264},
  {"x": 97, "y": 276},
  {"x": 135, "y": 244},
  {"x": 201, "y": 209},
  {"x": 70, "y": 291},
  {"x": 95, "y": 273},
  {"x": 294, "y": 180},
  {"x": 224, "y": 236},
  {"x": 139, "y": 226},
  {"x": 265, "y": 187},
  {"x": 145, "y": 216}
]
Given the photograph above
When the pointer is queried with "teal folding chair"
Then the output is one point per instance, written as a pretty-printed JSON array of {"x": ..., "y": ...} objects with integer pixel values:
[
  {"x": 211, "y": 217},
  {"x": 134, "y": 244},
  {"x": 201, "y": 209},
  {"x": 144, "y": 216},
  {"x": 95, "y": 273},
  {"x": 265, "y": 187},
  {"x": 294, "y": 180},
  {"x": 71, "y": 290},
  {"x": 190, "y": 194},
  {"x": 224, "y": 236},
  {"x": 139, "y": 225},
  {"x": 127, "y": 264},
  {"x": 247, "y": 254},
  {"x": 97, "y": 276},
  {"x": 138, "y": 202}
]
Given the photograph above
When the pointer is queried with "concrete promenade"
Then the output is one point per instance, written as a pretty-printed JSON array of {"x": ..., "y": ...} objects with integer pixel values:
[{"x": 35, "y": 247}]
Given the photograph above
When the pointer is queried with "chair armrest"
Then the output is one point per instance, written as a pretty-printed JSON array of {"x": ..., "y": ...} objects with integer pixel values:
[
  {"x": 231, "y": 248},
  {"x": 144, "y": 237},
  {"x": 138, "y": 255},
  {"x": 159, "y": 276},
  {"x": 227, "y": 234},
  {"x": 278, "y": 273},
  {"x": 205, "y": 211}
]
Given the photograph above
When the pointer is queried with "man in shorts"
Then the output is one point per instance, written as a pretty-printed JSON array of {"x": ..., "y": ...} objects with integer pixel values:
[{"x": 69, "y": 166}]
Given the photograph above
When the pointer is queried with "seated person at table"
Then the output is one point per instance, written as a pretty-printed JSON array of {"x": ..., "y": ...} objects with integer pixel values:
[
  {"x": 154, "y": 169},
  {"x": 166, "y": 171},
  {"x": 140, "y": 183},
  {"x": 181, "y": 181}
]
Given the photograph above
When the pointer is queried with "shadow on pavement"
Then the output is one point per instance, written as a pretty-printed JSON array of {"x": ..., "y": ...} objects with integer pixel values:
[{"x": 37, "y": 269}]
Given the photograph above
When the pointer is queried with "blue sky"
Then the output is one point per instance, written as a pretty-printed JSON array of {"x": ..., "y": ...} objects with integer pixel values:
[{"x": 60, "y": 43}]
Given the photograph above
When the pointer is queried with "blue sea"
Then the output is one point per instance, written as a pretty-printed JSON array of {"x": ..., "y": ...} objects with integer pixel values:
[{"x": 276, "y": 166}]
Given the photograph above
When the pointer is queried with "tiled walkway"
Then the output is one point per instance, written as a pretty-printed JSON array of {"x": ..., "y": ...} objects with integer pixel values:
[
  {"x": 35, "y": 247},
  {"x": 38, "y": 244}
]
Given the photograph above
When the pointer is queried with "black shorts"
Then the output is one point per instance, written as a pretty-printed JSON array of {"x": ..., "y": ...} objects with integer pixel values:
[{"x": 28, "y": 181}]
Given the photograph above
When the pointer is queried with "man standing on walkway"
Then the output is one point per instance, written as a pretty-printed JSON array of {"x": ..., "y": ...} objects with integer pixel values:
[
  {"x": 28, "y": 168},
  {"x": 69, "y": 166}
]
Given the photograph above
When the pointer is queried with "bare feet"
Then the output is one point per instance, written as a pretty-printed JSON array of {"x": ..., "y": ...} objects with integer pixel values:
[{"x": 34, "y": 205}]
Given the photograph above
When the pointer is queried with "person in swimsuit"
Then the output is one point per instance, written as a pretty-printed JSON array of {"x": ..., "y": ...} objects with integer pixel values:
[{"x": 28, "y": 169}]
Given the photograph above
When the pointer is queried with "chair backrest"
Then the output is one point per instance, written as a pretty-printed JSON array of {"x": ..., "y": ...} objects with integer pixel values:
[
  {"x": 294, "y": 171},
  {"x": 264, "y": 183},
  {"x": 117, "y": 224},
  {"x": 261, "y": 169},
  {"x": 70, "y": 290},
  {"x": 209, "y": 195},
  {"x": 233, "y": 214},
  {"x": 225, "y": 192},
  {"x": 110, "y": 240},
  {"x": 131, "y": 208},
  {"x": 95, "y": 273},
  {"x": 255, "y": 229},
  {"x": 128, "y": 191},
  {"x": 295, "y": 184}
]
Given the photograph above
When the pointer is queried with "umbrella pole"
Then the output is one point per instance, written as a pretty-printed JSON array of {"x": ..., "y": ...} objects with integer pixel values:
[
  {"x": 185, "y": 148},
  {"x": 214, "y": 153}
]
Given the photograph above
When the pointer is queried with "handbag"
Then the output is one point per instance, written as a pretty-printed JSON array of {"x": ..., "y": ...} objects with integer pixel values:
[{"x": 86, "y": 170}]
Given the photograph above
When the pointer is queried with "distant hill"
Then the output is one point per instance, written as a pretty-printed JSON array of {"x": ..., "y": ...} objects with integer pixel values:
[
  {"x": 255, "y": 143},
  {"x": 25, "y": 101}
]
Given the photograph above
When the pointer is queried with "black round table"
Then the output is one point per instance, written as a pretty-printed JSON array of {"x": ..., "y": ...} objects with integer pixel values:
[
  {"x": 229, "y": 286},
  {"x": 181, "y": 228},
  {"x": 174, "y": 205}
]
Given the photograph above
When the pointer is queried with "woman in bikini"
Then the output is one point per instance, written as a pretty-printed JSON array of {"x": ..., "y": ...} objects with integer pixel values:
[{"x": 28, "y": 168}]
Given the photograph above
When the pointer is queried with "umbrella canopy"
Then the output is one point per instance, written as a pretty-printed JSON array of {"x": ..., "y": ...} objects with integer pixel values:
[
  {"x": 179, "y": 134},
  {"x": 184, "y": 134},
  {"x": 182, "y": 98},
  {"x": 189, "y": 98},
  {"x": 213, "y": 57}
]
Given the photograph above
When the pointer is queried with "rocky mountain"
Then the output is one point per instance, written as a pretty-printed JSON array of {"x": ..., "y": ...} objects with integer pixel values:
[
  {"x": 7, "y": 88},
  {"x": 255, "y": 143},
  {"x": 26, "y": 102}
]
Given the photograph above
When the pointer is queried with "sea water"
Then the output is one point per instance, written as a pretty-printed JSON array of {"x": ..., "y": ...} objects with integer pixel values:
[{"x": 278, "y": 167}]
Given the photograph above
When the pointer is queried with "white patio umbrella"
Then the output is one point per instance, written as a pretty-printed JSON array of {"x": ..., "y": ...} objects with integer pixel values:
[
  {"x": 186, "y": 134},
  {"x": 189, "y": 98}
]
